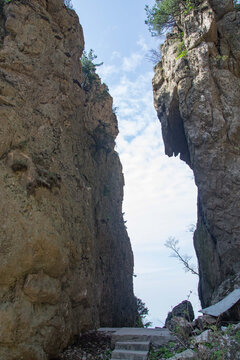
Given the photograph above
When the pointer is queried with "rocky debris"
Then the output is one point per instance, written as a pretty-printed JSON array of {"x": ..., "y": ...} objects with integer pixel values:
[
  {"x": 187, "y": 354},
  {"x": 196, "y": 95},
  {"x": 183, "y": 310},
  {"x": 66, "y": 262},
  {"x": 204, "y": 322},
  {"x": 203, "y": 337},
  {"x": 217, "y": 342},
  {"x": 90, "y": 346},
  {"x": 180, "y": 325}
]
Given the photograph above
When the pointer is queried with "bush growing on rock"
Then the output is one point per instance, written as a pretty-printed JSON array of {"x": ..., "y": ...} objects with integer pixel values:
[
  {"x": 89, "y": 69},
  {"x": 162, "y": 16},
  {"x": 142, "y": 313},
  {"x": 236, "y": 4}
]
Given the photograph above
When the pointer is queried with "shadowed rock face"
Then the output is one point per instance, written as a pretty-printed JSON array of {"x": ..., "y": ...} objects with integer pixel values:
[
  {"x": 197, "y": 100},
  {"x": 66, "y": 262}
]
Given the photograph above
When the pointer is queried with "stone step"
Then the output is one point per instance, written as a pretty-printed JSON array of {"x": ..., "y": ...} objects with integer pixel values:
[
  {"x": 118, "y": 354},
  {"x": 132, "y": 345},
  {"x": 155, "y": 336}
]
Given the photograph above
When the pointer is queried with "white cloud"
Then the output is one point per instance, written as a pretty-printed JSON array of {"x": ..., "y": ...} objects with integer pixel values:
[
  {"x": 159, "y": 195},
  {"x": 132, "y": 62},
  {"x": 106, "y": 71},
  {"x": 115, "y": 55},
  {"x": 143, "y": 44}
]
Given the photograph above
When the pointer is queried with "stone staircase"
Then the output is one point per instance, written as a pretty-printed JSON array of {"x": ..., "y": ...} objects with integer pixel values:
[
  {"x": 131, "y": 350},
  {"x": 134, "y": 343}
]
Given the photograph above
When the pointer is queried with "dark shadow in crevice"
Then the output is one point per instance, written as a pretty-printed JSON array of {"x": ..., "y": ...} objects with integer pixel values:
[{"x": 174, "y": 134}]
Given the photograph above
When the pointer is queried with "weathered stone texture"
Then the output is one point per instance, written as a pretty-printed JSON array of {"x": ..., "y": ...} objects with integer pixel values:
[
  {"x": 66, "y": 262},
  {"x": 197, "y": 100}
]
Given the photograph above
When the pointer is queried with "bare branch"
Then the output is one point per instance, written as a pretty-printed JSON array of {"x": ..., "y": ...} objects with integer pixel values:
[
  {"x": 154, "y": 56},
  {"x": 171, "y": 244}
]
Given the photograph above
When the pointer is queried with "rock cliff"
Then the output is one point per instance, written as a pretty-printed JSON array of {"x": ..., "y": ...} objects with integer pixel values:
[
  {"x": 66, "y": 262},
  {"x": 197, "y": 98}
]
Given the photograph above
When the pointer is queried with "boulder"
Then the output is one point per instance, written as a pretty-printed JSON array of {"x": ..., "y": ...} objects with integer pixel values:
[{"x": 183, "y": 310}]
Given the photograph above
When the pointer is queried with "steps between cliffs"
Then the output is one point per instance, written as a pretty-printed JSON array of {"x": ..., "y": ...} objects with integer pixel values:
[{"x": 134, "y": 343}]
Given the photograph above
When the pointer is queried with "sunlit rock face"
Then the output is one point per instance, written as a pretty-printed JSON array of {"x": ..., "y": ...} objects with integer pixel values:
[
  {"x": 197, "y": 98},
  {"x": 66, "y": 262}
]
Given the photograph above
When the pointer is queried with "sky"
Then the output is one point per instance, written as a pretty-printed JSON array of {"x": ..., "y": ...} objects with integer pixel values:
[{"x": 160, "y": 196}]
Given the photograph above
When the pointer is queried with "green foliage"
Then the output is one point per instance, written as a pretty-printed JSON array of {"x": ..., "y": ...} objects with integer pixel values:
[
  {"x": 218, "y": 355},
  {"x": 90, "y": 79},
  {"x": 142, "y": 313},
  {"x": 237, "y": 337},
  {"x": 89, "y": 69},
  {"x": 166, "y": 351},
  {"x": 189, "y": 7},
  {"x": 162, "y": 16},
  {"x": 182, "y": 51},
  {"x": 236, "y": 4}
]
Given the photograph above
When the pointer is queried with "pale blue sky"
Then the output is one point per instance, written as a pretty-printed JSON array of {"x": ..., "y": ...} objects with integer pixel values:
[{"x": 160, "y": 195}]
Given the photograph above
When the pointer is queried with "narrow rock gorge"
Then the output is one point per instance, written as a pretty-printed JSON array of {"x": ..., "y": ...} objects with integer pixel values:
[
  {"x": 197, "y": 98},
  {"x": 66, "y": 263}
]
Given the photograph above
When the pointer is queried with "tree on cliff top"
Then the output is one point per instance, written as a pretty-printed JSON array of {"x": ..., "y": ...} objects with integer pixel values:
[
  {"x": 89, "y": 69},
  {"x": 162, "y": 16}
]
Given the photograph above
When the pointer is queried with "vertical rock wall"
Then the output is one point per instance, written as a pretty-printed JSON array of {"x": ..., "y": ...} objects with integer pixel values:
[
  {"x": 66, "y": 262},
  {"x": 197, "y": 97}
]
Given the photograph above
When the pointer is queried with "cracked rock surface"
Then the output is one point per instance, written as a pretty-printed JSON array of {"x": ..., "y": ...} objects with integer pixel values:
[
  {"x": 197, "y": 98},
  {"x": 66, "y": 262}
]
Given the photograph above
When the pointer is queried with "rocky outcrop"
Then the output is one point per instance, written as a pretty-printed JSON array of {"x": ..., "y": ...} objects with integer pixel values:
[
  {"x": 197, "y": 91},
  {"x": 182, "y": 310},
  {"x": 66, "y": 262}
]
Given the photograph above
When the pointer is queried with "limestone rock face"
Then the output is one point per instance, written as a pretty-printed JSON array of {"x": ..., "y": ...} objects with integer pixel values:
[
  {"x": 197, "y": 100},
  {"x": 66, "y": 262}
]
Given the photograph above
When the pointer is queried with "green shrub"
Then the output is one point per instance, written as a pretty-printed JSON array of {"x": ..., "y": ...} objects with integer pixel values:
[
  {"x": 182, "y": 51},
  {"x": 162, "y": 16},
  {"x": 89, "y": 70},
  {"x": 90, "y": 80},
  {"x": 236, "y": 4},
  {"x": 142, "y": 313}
]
